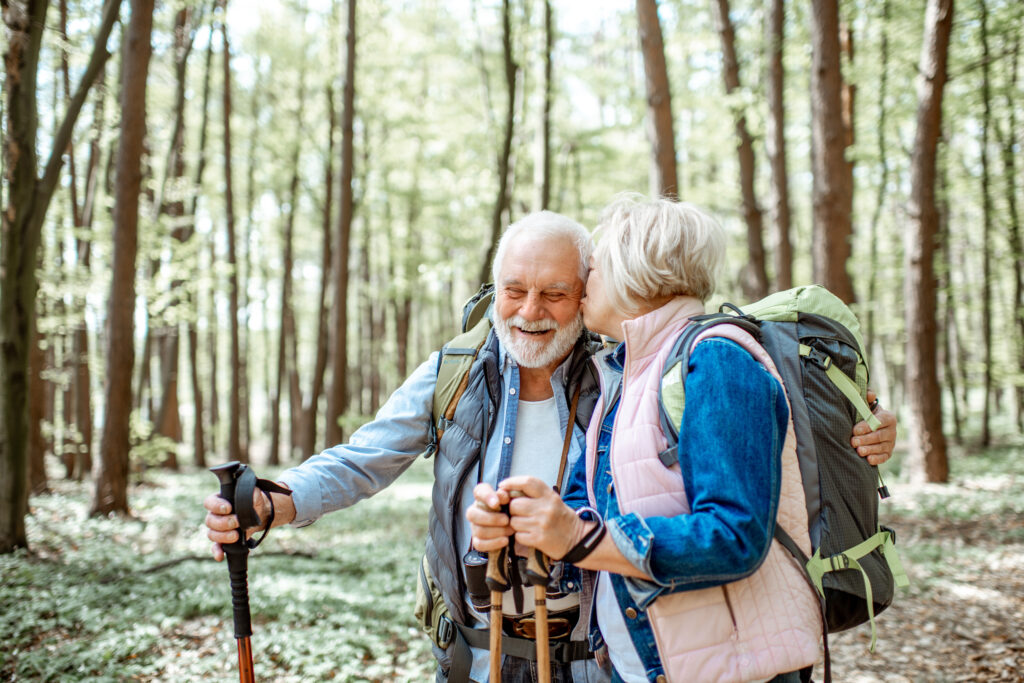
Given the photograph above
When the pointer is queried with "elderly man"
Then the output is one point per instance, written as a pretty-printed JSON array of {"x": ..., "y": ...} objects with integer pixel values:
[{"x": 512, "y": 419}]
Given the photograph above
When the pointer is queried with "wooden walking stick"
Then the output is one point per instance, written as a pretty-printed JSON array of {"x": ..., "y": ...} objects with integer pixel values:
[
  {"x": 237, "y": 483},
  {"x": 498, "y": 583},
  {"x": 538, "y": 572}
]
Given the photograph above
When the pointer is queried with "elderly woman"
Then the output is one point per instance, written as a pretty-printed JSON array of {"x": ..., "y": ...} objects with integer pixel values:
[{"x": 690, "y": 585}]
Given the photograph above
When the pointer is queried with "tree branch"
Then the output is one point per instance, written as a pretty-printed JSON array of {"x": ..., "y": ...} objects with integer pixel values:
[{"x": 97, "y": 60}]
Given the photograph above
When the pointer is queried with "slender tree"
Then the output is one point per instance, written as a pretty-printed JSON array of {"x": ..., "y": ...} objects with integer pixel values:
[
  {"x": 199, "y": 424},
  {"x": 337, "y": 398},
  {"x": 755, "y": 275},
  {"x": 501, "y": 202},
  {"x": 111, "y": 492},
  {"x": 1016, "y": 248},
  {"x": 883, "y": 183},
  {"x": 287, "y": 328},
  {"x": 927, "y": 457},
  {"x": 775, "y": 82},
  {"x": 660, "y": 129},
  {"x": 986, "y": 226},
  {"x": 542, "y": 163},
  {"x": 830, "y": 136},
  {"x": 27, "y": 199},
  {"x": 234, "y": 399},
  {"x": 311, "y": 406}
]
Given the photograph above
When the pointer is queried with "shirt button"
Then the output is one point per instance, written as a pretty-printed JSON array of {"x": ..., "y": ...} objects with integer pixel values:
[
  {"x": 661, "y": 679},
  {"x": 508, "y": 440},
  {"x": 512, "y": 391},
  {"x": 611, "y": 485},
  {"x": 631, "y": 613}
]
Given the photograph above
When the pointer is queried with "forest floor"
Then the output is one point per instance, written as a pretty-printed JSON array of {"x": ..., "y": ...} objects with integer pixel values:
[{"x": 141, "y": 600}]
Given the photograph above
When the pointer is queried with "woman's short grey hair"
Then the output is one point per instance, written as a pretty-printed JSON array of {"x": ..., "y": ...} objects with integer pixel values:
[
  {"x": 650, "y": 248},
  {"x": 546, "y": 224}
]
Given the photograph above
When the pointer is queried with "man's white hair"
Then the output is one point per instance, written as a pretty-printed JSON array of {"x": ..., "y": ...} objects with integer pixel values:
[
  {"x": 649, "y": 248},
  {"x": 546, "y": 224}
]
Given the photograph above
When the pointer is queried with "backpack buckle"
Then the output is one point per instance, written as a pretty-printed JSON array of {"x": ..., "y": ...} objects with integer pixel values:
[
  {"x": 823, "y": 360},
  {"x": 840, "y": 561}
]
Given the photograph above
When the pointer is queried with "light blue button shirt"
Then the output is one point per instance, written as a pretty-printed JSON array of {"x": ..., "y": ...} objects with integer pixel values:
[{"x": 380, "y": 450}]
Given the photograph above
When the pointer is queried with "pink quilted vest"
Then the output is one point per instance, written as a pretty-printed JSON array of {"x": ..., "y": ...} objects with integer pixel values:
[{"x": 752, "y": 629}]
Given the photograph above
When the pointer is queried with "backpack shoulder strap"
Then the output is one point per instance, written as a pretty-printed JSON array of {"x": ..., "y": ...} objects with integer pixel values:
[
  {"x": 672, "y": 392},
  {"x": 455, "y": 360}
]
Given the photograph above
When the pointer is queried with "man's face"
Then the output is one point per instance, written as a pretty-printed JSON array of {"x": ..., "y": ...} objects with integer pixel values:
[{"x": 537, "y": 303}]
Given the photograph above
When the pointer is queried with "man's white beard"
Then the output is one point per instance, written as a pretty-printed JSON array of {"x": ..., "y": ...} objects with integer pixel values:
[{"x": 537, "y": 353}]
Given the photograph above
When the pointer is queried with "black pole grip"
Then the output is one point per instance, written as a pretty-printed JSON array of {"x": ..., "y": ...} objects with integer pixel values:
[
  {"x": 237, "y": 553},
  {"x": 238, "y": 571}
]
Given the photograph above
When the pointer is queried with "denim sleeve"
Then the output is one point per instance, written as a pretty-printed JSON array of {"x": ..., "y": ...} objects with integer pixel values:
[
  {"x": 730, "y": 446},
  {"x": 374, "y": 457},
  {"x": 575, "y": 494}
]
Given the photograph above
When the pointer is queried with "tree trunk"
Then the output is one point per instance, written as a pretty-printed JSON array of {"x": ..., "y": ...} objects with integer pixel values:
[
  {"x": 337, "y": 398},
  {"x": 28, "y": 198},
  {"x": 542, "y": 167},
  {"x": 1016, "y": 247},
  {"x": 986, "y": 230},
  {"x": 660, "y": 129},
  {"x": 37, "y": 482},
  {"x": 775, "y": 82},
  {"x": 111, "y": 493},
  {"x": 830, "y": 136},
  {"x": 755, "y": 276},
  {"x": 311, "y": 408},
  {"x": 876, "y": 350},
  {"x": 199, "y": 426},
  {"x": 287, "y": 327},
  {"x": 502, "y": 200},
  {"x": 168, "y": 418},
  {"x": 950, "y": 334},
  {"x": 82, "y": 378},
  {"x": 927, "y": 458},
  {"x": 234, "y": 398}
]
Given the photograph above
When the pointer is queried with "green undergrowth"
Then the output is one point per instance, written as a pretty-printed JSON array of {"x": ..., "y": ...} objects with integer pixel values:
[
  {"x": 117, "y": 599},
  {"x": 141, "y": 599}
]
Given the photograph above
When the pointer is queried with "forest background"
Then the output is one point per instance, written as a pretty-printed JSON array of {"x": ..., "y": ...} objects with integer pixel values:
[{"x": 230, "y": 230}]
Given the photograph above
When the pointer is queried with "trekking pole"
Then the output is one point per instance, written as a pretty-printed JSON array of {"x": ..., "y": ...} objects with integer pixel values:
[
  {"x": 498, "y": 583},
  {"x": 538, "y": 572},
  {"x": 238, "y": 559}
]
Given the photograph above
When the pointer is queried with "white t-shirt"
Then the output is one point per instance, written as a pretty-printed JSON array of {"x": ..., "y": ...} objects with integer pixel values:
[
  {"x": 613, "y": 629},
  {"x": 537, "y": 452}
]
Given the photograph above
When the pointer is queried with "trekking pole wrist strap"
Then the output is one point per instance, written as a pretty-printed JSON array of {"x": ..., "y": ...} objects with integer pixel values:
[
  {"x": 245, "y": 487},
  {"x": 590, "y": 540}
]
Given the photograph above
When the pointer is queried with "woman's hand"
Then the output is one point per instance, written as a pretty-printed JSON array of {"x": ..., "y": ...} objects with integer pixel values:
[{"x": 539, "y": 517}]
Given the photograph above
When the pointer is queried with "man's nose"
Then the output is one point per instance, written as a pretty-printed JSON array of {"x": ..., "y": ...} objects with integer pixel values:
[{"x": 532, "y": 307}]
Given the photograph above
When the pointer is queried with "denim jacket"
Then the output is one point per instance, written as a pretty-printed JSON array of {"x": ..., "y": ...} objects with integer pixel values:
[{"x": 733, "y": 497}]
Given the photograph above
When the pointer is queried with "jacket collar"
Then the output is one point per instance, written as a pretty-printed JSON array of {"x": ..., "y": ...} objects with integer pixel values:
[{"x": 645, "y": 335}]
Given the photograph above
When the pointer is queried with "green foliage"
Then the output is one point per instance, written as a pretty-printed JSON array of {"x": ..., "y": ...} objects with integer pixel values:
[{"x": 141, "y": 599}]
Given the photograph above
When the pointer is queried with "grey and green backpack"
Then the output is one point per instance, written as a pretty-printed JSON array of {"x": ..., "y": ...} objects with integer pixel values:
[{"x": 815, "y": 342}]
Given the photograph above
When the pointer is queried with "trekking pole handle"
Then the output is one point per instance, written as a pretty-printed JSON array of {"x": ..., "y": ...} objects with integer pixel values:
[{"x": 237, "y": 553}]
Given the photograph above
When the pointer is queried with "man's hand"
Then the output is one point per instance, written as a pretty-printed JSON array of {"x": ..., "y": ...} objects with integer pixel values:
[
  {"x": 222, "y": 526},
  {"x": 876, "y": 446},
  {"x": 488, "y": 525}
]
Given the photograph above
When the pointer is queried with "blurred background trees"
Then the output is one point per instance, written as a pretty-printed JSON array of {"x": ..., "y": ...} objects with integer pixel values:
[{"x": 321, "y": 184}]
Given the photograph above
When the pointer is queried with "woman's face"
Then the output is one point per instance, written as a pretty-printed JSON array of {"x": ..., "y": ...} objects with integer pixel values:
[{"x": 598, "y": 314}]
